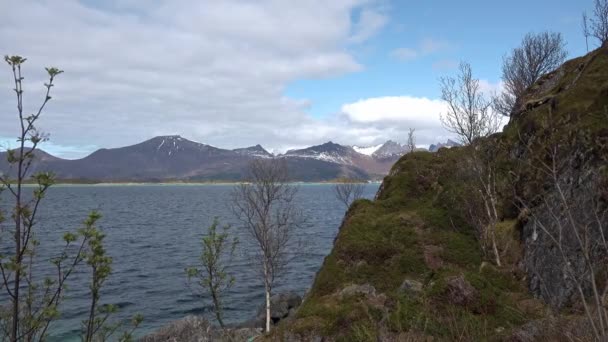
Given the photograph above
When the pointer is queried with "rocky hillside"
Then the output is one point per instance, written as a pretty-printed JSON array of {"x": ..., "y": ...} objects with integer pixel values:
[{"x": 409, "y": 265}]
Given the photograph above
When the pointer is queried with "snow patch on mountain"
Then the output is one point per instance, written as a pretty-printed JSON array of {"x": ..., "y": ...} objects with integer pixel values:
[
  {"x": 256, "y": 151},
  {"x": 324, "y": 156},
  {"x": 368, "y": 151}
]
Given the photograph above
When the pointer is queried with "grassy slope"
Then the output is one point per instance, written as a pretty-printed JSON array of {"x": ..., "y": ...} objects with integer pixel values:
[
  {"x": 383, "y": 242},
  {"x": 416, "y": 229}
]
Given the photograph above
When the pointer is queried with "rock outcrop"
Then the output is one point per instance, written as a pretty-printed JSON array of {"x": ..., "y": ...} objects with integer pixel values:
[
  {"x": 282, "y": 306},
  {"x": 198, "y": 329}
]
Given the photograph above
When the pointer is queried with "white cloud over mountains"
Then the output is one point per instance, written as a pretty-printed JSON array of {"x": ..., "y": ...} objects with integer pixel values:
[
  {"x": 394, "y": 115},
  {"x": 212, "y": 71},
  {"x": 424, "y": 48}
]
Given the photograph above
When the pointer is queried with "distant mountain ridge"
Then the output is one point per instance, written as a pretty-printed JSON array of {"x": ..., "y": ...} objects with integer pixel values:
[
  {"x": 174, "y": 158},
  {"x": 450, "y": 143}
]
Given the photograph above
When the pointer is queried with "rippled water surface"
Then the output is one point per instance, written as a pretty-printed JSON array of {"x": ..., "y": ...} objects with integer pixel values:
[{"x": 153, "y": 232}]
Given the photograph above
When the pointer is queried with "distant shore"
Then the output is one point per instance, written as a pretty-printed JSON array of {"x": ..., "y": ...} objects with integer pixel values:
[{"x": 173, "y": 183}]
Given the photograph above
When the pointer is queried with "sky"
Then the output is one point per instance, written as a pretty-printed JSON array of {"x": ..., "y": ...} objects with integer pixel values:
[{"x": 235, "y": 73}]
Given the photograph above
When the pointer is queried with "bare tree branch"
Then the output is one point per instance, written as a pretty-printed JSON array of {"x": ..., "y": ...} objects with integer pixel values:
[
  {"x": 266, "y": 207},
  {"x": 469, "y": 114},
  {"x": 537, "y": 55},
  {"x": 348, "y": 190},
  {"x": 599, "y": 22}
]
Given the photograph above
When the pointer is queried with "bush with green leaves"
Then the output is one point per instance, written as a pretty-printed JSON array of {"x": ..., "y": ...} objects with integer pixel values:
[
  {"x": 212, "y": 275},
  {"x": 33, "y": 299}
]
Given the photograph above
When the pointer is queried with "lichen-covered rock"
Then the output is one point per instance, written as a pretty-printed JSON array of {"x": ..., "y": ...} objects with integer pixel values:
[
  {"x": 460, "y": 291},
  {"x": 411, "y": 287},
  {"x": 198, "y": 329},
  {"x": 354, "y": 289}
]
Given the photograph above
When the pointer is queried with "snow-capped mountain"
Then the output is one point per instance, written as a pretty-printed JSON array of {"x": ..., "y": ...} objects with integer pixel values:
[
  {"x": 447, "y": 144},
  {"x": 173, "y": 157},
  {"x": 348, "y": 156},
  {"x": 390, "y": 149},
  {"x": 330, "y": 152}
]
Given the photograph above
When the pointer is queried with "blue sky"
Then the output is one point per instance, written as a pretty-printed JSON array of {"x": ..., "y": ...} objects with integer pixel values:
[
  {"x": 237, "y": 73},
  {"x": 479, "y": 32}
]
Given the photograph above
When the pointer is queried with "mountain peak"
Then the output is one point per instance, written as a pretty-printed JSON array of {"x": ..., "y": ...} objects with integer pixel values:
[
  {"x": 389, "y": 149},
  {"x": 254, "y": 151}
]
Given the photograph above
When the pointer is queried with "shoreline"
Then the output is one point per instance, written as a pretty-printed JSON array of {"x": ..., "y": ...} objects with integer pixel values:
[{"x": 103, "y": 184}]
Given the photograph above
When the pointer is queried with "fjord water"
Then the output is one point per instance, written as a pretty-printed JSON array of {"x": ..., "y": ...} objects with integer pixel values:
[{"x": 153, "y": 232}]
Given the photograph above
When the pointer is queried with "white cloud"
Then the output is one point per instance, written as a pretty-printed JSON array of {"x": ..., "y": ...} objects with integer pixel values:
[
  {"x": 424, "y": 48},
  {"x": 370, "y": 22},
  {"x": 212, "y": 71},
  {"x": 394, "y": 109},
  {"x": 488, "y": 88},
  {"x": 395, "y": 115},
  {"x": 404, "y": 54}
]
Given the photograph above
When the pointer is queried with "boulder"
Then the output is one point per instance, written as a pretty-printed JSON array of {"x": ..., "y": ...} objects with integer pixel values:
[
  {"x": 460, "y": 291},
  {"x": 282, "y": 306},
  {"x": 198, "y": 329},
  {"x": 367, "y": 292},
  {"x": 411, "y": 287},
  {"x": 354, "y": 289}
]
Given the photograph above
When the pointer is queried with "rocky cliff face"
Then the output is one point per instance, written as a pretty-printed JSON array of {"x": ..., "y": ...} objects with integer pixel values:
[
  {"x": 558, "y": 139},
  {"x": 409, "y": 265}
]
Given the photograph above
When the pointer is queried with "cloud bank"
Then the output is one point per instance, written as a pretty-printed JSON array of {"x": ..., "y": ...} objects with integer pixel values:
[{"x": 212, "y": 71}]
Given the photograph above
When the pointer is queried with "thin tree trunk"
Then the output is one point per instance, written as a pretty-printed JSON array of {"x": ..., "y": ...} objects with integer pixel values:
[
  {"x": 495, "y": 248},
  {"x": 18, "y": 254},
  {"x": 267, "y": 309},
  {"x": 90, "y": 323},
  {"x": 267, "y": 293},
  {"x": 492, "y": 230},
  {"x": 218, "y": 312}
]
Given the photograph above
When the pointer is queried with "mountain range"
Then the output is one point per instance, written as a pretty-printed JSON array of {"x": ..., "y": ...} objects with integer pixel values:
[{"x": 173, "y": 158}]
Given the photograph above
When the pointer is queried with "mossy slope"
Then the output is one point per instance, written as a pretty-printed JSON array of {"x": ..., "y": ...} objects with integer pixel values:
[{"x": 417, "y": 230}]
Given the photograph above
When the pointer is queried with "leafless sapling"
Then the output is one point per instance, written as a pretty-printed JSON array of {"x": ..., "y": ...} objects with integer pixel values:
[
  {"x": 468, "y": 111},
  {"x": 348, "y": 190},
  {"x": 599, "y": 21},
  {"x": 411, "y": 141},
  {"x": 266, "y": 207},
  {"x": 537, "y": 55},
  {"x": 585, "y": 27}
]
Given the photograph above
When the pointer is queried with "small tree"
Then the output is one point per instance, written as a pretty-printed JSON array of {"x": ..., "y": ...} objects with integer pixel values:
[
  {"x": 480, "y": 198},
  {"x": 537, "y": 55},
  {"x": 411, "y": 141},
  {"x": 348, "y": 190},
  {"x": 96, "y": 326},
  {"x": 585, "y": 27},
  {"x": 212, "y": 275},
  {"x": 469, "y": 115},
  {"x": 266, "y": 207},
  {"x": 599, "y": 22},
  {"x": 34, "y": 301}
]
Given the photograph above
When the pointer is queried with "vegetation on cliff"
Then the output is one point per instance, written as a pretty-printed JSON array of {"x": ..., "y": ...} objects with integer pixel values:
[{"x": 408, "y": 265}]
